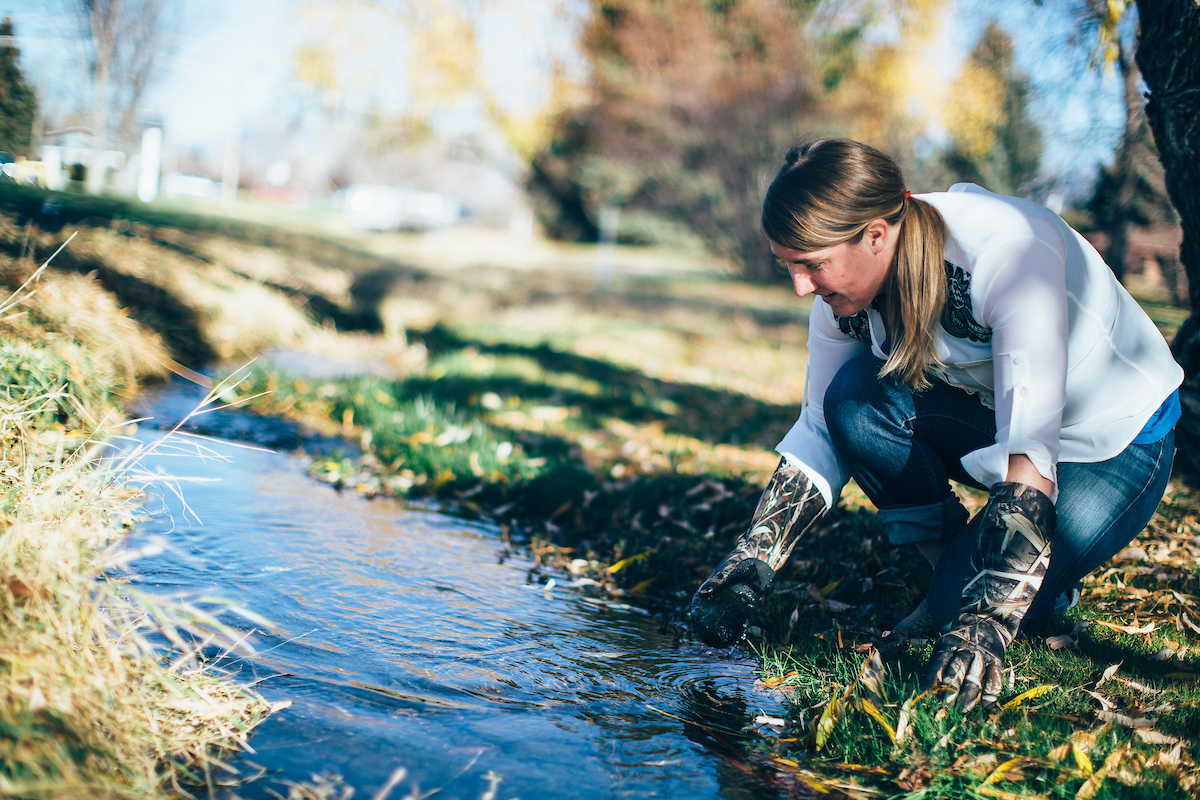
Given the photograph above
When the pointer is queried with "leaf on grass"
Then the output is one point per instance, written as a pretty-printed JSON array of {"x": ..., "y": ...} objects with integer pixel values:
[
  {"x": 1060, "y": 642},
  {"x": 992, "y": 791},
  {"x": 1081, "y": 758},
  {"x": 1195, "y": 628},
  {"x": 1036, "y": 691},
  {"x": 1129, "y": 629},
  {"x": 874, "y": 713},
  {"x": 1109, "y": 671},
  {"x": 1126, "y": 721},
  {"x": 1059, "y": 753},
  {"x": 828, "y": 588},
  {"x": 1150, "y": 736},
  {"x": 774, "y": 683},
  {"x": 1104, "y": 702},
  {"x": 871, "y": 678},
  {"x": 998, "y": 772},
  {"x": 1183, "y": 676},
  {"x": 902, "y": 726},
  {"x": 828, "y": 721}
]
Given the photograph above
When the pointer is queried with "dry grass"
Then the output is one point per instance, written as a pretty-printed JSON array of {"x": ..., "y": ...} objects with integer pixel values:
[{"x": 88, "y": 706}]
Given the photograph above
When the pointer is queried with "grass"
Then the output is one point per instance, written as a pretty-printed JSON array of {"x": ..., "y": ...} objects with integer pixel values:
[
  {"x": 623, "y": 432},
  {"x": 642, "y": 481},
  {"x": 105, "y": 692}
]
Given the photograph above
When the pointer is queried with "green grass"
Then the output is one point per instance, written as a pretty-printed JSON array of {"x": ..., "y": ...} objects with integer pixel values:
[{"x": 607, "y": 465}]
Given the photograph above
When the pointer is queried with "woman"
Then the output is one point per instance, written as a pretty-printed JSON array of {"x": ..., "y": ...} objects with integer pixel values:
[{"x": 962, "y": 335}]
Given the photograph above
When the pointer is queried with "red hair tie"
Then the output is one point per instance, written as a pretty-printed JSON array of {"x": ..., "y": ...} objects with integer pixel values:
[{"x": 907, "y": 195}]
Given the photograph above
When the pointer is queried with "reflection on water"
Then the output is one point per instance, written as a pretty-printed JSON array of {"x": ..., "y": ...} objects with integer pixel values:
[{"x": 405, "y": 640}]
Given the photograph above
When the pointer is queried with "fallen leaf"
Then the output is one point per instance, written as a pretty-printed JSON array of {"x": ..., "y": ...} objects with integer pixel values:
[
  {"x": 1183, "y": 676},
  {"x": 1036, "y": 691},
  {"x": 828, "y": 721},
  {"x": 1129, "y": 629},
  {"x": 1081, "y": 758},
  {"x": 1109, "y": 671},
  {"x": 1150, "y": 736},
  {"x": 877, "y": 715},
  {"x": 1060, "y": 642},
  {"x": 998, "y": 772},
  {"x": 1104, "y": 702},
  {"x": 1126, "y": 721}
]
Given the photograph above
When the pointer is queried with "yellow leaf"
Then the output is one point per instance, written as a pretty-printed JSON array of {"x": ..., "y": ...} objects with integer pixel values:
[
  {"x": 877, "y": 715},
  {"x": 828, "y": 722},
  {"x": 1081, "y": 759},
  {"x": 998, "y": 772},
  {"x": 640, "y": 588},
  {"x": 1129, "y": 629},
  {"x": 625, "y": 562},
  {"x": 828, "y": 588},
  {"x": 1036, "y": 691}
]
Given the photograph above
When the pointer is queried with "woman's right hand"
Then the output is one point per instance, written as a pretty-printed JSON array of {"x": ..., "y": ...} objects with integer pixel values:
[{"x": 726, "y": 603}]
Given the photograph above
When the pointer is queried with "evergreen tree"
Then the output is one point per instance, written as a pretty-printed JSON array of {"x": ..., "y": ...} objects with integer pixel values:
[
  {"x": 18, "y": 103},
  {"x": 995, "y": 143}
]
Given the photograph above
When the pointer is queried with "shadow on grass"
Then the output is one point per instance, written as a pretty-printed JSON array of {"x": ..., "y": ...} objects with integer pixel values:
[{"x": 710, "y": 415}]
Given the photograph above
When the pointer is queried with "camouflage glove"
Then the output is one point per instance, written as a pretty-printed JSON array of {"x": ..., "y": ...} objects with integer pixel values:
[
  {"x": 1009, "y": 562},
  {"x": 726, "y": 603}
]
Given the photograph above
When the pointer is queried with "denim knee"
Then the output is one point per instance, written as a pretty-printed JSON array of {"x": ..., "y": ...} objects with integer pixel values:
[{"x": 855, "y": 406}]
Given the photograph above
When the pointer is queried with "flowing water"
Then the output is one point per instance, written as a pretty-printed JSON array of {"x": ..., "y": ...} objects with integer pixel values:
[{"x": 409, "y": 638}]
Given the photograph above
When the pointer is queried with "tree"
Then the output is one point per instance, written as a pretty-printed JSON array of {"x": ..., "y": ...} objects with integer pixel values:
[
  {"x": 18, "y": 102},
  {"x": 994, "y": 141},
  {"x": 121, "y": 41},
  {"x": 692, "y": 105},
  {"x": 1168, "y": 55}
]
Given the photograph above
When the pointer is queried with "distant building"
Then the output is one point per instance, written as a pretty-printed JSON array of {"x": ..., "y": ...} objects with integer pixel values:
[{"x": 382, "y": 208}]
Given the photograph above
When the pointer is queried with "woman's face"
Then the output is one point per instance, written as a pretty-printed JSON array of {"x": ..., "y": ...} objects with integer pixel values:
[{"x": 846, "y": 276}]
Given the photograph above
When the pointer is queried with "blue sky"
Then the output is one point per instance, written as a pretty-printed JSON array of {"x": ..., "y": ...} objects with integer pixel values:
[{"x": 229, "y": 63}]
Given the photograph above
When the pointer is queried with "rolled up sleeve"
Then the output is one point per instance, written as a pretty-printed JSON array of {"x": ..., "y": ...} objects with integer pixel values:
[{"x": 807, "y": 444}]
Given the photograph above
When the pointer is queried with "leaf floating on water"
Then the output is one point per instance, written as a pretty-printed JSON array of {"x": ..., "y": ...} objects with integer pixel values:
[
  {"x": 763, "y": 719},
  {"x": 1036, "y": 691}
]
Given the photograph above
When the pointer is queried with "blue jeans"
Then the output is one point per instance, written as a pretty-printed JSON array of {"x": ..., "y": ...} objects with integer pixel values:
[{"x": 903, "y": 446}]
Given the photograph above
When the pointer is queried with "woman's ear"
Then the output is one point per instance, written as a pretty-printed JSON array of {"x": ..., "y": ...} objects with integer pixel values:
[{"x": 875, "y": 235}]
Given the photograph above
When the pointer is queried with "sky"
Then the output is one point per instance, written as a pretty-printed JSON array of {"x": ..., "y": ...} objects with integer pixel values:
[{"x": 229, "y": 65}]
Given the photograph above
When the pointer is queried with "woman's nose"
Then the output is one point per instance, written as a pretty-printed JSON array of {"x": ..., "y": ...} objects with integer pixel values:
[{"x": 802, "y": 283}]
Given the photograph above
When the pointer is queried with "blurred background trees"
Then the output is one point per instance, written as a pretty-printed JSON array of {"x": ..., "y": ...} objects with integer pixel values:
[{"x": 18, "y": 102}]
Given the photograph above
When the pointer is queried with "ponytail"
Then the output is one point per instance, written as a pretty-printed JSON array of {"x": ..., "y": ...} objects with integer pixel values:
[{"x": 915, "y": 294}]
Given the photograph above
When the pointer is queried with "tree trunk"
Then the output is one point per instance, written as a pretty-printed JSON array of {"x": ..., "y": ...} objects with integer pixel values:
[
  {"x": 1168, "y": 55},
  {"x": 1125, "y": 167}
]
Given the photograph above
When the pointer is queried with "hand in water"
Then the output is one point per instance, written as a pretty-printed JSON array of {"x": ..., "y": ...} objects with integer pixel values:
[{"x": 726, "y": 603}]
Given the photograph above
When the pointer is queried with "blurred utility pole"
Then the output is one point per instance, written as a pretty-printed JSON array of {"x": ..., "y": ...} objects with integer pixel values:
[
  {"x": 231, "y": 165},
  {"x": 606, "y": 249},
  {"x": 120, "y": 41}
]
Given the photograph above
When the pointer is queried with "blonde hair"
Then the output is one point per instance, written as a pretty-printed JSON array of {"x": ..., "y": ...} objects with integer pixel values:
[{"x": 827, "y": 192}]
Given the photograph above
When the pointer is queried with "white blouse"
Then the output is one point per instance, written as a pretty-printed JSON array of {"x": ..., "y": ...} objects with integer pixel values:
[{"x": 1036, "y": 324}]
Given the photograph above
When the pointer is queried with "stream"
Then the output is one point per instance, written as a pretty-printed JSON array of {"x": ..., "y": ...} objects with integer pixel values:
[{"x": 407, "y": 638}]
